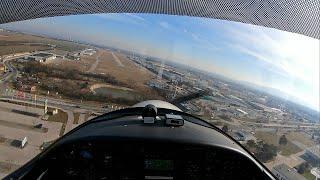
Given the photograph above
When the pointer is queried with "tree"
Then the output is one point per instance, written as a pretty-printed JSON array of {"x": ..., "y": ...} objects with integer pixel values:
[
  {"x": 251, "y": 143},
  {"x": 263, "y": 151},
  {"x": 225, "y": 128},
  {"x": 302, "y": 168},
  {"x": 266, "y": 152},
  {"x": 283, "y": 140}
]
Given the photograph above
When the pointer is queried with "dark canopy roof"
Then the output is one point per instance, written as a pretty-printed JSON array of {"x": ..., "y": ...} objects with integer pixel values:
[{"x": 298, "y": 16}]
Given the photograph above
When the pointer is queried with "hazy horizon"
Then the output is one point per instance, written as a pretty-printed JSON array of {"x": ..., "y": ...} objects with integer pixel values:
[{"x": 262, "y": 56}]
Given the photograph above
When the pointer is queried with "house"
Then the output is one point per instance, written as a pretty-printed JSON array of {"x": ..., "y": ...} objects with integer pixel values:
[
  {"x": 284, "y": 172},
  {"x": 2, "y": 68}
]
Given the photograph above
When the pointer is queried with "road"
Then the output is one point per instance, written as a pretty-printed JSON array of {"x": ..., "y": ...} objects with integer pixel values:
[
  {"x": 281, "y": 126},
  {"x": 82, "y": 118},
  {"x": 117, "y": 60},
  {"x": 95, "y": 64},
  {"x": 51, "y": 102},
  {"x": 69, "y": 124},
  {"x": 12, "y": 73}
]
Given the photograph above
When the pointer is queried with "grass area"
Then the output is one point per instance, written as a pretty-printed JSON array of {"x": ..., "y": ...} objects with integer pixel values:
[
  {"x": 271, "y": 138},
  {"x": 86, "y": 116},
  {"x": 61, "y": 117},
  {"x": 76, "y": 116},
  {"x": 15, "y": 39},
  {"x": 289, "y": 149},
  {"x": 117, "y": 92},
  {"x": 300, "y": 137},
  {"x": 11, "y": 49},
  {"x": 216, "y": 123},
  {"x": 2, "y": 139},
  {"x": 6, "y": 167},
  {"x": 308, "y": 175}
]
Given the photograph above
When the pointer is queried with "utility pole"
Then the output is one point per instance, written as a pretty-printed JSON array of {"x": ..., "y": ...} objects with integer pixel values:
[
  {"x": 46, "y": 106},
  {"x": 35, "y": 100}
]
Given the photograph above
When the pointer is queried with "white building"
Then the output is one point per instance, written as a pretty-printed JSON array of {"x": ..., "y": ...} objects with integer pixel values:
[
  {"x": 316, "y": 172},
  {"x": 88, "y": 52}
]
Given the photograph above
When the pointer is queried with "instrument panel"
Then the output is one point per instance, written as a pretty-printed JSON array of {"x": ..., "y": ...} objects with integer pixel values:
[{"x": 146, "y": 160}]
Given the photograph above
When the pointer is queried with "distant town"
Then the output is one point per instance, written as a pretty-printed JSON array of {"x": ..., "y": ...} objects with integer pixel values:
[{"x": 49, "y": 86}]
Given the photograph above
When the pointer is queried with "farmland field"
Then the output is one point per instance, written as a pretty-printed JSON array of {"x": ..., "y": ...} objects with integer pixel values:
[{"x": 12, "y": 42}]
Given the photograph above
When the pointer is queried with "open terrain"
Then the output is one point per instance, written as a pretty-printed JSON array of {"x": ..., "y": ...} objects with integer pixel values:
[
  {"x": 271, "y": 138},
  {"x": 13, "y": 42},
  {"x": 105, "y": 62}
]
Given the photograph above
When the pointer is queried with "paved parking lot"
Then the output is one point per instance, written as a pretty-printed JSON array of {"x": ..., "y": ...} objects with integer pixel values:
[{"x": 17, "y": 122}]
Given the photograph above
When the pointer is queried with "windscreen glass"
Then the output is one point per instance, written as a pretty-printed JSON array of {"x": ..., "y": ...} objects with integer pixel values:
[{"x": 259, "y": 85}]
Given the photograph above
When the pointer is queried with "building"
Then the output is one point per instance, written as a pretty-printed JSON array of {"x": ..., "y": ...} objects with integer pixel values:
[
  {"x": 316, "y": 172},
  {"x": 2, "y": 68},
  {"x": 26, "y": 59},
  {"x": 240, "y": 136},
  {"x": 73, "y": 57},
  {"x": 312, "y": 155},
  {"x": 42, "y": 57},
  {"x": 88, "y": 52},
  {"x": 284, "y": 172}
]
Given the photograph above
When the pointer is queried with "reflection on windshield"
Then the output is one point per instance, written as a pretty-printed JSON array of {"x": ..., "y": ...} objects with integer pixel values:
[{"x": 258, "y": 85}]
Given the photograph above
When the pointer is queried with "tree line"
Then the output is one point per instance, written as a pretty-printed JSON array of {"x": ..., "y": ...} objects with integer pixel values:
[{"x": 67, "y": 73}]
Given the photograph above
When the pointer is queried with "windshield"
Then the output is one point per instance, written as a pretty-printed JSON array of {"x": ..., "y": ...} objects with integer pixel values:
[{"x": 259, "y": 85}]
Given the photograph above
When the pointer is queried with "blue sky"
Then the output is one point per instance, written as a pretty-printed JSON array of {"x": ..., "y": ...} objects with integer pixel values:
[{"x": 263, "y": 56}]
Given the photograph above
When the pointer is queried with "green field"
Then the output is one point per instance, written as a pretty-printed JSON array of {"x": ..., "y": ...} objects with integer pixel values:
[
  {"x": 117, "y": 93},
  {"x": 308, "y": 175}
]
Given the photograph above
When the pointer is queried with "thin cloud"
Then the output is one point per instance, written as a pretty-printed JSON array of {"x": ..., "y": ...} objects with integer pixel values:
[
  {"x": 164, "y": 24},
  {"x": 283, "y": 52},
  {"x": 291, "y": 55},
  {"x": 123, "y": 18},
  {"x": 136, "y": 17}
]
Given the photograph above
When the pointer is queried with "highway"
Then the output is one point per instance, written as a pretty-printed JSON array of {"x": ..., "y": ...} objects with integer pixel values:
[
  {"x": 51, "y": 102},
  {"x": 12, "y": 72}
]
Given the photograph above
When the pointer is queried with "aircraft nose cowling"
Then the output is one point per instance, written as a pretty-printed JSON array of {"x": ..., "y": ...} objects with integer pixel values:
[{"x": 158, "y": 104}]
